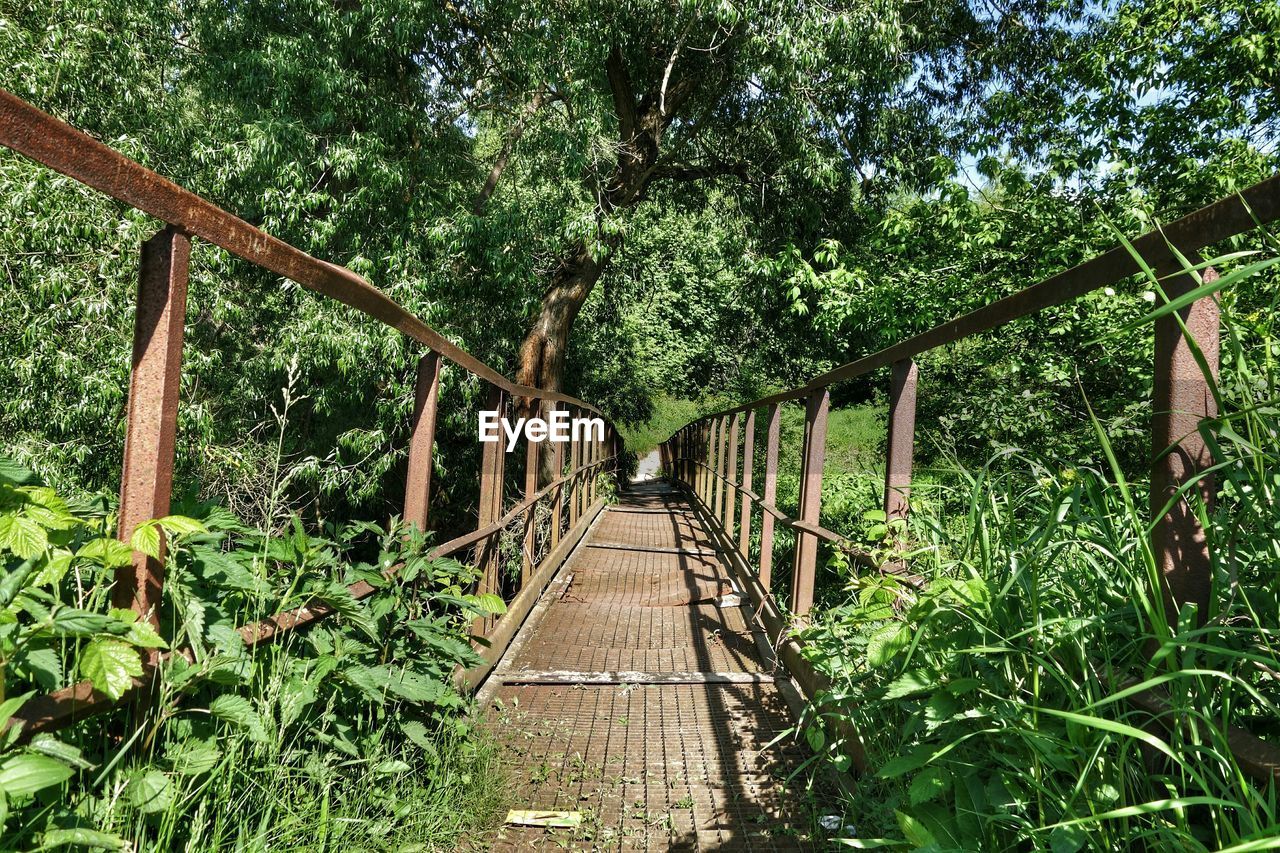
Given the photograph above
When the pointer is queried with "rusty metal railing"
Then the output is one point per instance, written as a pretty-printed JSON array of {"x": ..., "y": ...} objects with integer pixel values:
[
  {"x": 703, "y": 454},
  {"x": 147, "y": 477}
]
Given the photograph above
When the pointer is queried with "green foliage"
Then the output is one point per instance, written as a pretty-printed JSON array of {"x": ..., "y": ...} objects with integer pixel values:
[
  {"x": 332, "y": 689},
  {"x": 992, "y": 700}
]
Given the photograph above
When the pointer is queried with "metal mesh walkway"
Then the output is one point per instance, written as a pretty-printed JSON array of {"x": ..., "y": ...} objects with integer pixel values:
[{"x": 649, "y": 765}]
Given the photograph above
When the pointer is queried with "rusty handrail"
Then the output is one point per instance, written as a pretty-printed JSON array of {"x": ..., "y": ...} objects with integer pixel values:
[
  {"x": 1225, "y": 218},
  {"x": 53, "y": 143},
  {"x": 702, "y": 455},
  {"x": 146, "y": 481}
]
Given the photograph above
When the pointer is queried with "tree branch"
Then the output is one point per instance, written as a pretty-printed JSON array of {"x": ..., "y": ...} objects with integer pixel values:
[
  {"x": 508, "y": 144},
  {"x": 624, "y": 96},
  {"x": 698, "y": 173}
]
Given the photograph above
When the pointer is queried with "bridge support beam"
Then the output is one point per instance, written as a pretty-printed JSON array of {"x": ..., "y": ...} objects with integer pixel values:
[
  {"x": 154, "y": 384},
  {"x": 422, "y": 438},
  {"x": 815, "y": 453},
  {"x": 1182, "y": 397}
]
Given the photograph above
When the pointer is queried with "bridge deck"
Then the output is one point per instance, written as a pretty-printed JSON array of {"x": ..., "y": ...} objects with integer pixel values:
[{"x": 649, "y": 765}]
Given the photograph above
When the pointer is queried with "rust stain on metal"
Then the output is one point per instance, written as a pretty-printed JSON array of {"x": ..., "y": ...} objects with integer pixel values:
[
  {"x": 1181, "y": 399},
  {"x": 901, "y": 440},
  {"x": 815, "y": 454},
  {"x": 152, "y": 421},
  {"x": 417, "y": 498}
]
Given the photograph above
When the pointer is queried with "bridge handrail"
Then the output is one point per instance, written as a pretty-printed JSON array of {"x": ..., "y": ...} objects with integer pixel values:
[
  {"x": 703, "y": 454},
  {"x": 146, "y": 480}
]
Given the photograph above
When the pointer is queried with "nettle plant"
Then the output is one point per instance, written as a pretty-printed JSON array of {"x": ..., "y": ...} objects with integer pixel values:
[{"x": 386, "y": 658}]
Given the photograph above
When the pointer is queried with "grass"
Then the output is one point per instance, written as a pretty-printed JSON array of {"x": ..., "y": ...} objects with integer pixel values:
[{"x": 991, "y": 701}]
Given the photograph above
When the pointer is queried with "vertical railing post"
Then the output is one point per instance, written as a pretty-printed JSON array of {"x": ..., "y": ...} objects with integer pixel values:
[
  {"x": 700, "y": 456},
  {"x": 748, "y": 457},
  {"x": 1181, "y": 400},
  {"x": 574, "y": 463},
  {"x": 422, "y": 436},
  {"x": 731, "y": 475},
  {"x": 492, "y": 475},
  {"x": 815, "y": 449},
  {"x": 901, "y": 440},
  {"x": 721, "y": 437},
  {"x": 557, "y": 499},
  {"x": 146, "y": 482},
  {"x": 531, "y": 450},
  {"x": 772, "y": 438}
]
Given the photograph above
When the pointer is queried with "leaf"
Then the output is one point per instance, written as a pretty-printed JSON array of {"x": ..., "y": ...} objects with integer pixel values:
[
  {"x": 914, "y": 830},
  {"x": 181, "y": 525},
  {"x": 25, "y": 774},
  {"x": 14, "y": 474},
  {"x": 23, "y": 537},
  {"x": 140, "y": 632},
  {"x": 81, "y": 837},
  {"x": 150, "y": 791},
  {"x": 884, "y": 645},
  {"x": 912, "y": 759},
  {"x": 910, "y": 683},
  {"x": 55, "y": 569},
  {"x": 71, "y": 622},
  {"x": 296, "y": 695},
  {"x": 193, "y": 757},
  {"x": 392, "y": 767},
  {"x": 929, "y": 784},
  {"x": 239, "y": 712},
  {"x": 43, "y": 666},
  {"x": 146, "y": 539},
  {"x": 111, "y": 665},
  {"x": 416, "y": 732},
  {"x": 1067, "y": 839},
  {"x": 489, "y": 604},
  {"x": 46, "y": 744},
  {"x": 107, "y": 551}
]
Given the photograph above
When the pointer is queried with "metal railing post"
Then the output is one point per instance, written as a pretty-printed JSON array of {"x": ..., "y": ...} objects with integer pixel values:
[
  {"x": 492, "y": 474},
  {"x": 1182, "y": 398},
  {"x": 557, "y": 500},
  {"x": 422, "y": 436},
  {"x": 531, "y": 458},
  {"x": 731, "y": 475},
  {"x": 154, "y": 384},
  {"x": 748, "y": 454},
  {"x": 772, "y": 438},
  {"x": 815, "y": 450},
  {"x": 901, "y": 440},
  {"x": 721, "y": 439}
]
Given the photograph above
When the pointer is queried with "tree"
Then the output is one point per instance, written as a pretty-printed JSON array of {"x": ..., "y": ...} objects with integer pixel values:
[{"x": 799, "y": 108}]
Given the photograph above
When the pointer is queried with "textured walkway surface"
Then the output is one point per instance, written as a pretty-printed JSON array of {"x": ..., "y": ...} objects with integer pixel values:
[{"x": 680, "y": 765}]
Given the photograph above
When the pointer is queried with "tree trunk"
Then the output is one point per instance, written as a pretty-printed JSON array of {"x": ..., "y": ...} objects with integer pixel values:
[{"x": 542, "y": 355}]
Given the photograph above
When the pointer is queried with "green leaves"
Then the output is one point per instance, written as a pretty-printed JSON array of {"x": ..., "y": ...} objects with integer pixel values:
[
  {"x": 22, "y": 536},
  {"x": 887, "y": 643},
  {"x": 240, "y": 713},
  {"x": 25, "y": 774},
  {"x": 150, "y": 791},
  {"x": 111, "y": 665}
]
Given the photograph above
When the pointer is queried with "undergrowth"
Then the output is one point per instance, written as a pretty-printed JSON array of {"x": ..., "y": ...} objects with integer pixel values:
[{"x": 1031, "y": 691}]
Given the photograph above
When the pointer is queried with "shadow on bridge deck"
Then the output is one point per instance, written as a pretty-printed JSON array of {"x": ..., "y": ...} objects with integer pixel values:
[{"x": 638, "y": 698}]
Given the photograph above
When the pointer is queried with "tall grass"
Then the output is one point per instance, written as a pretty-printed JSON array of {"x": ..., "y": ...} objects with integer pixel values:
[{"x": 1034, "y": 693}]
